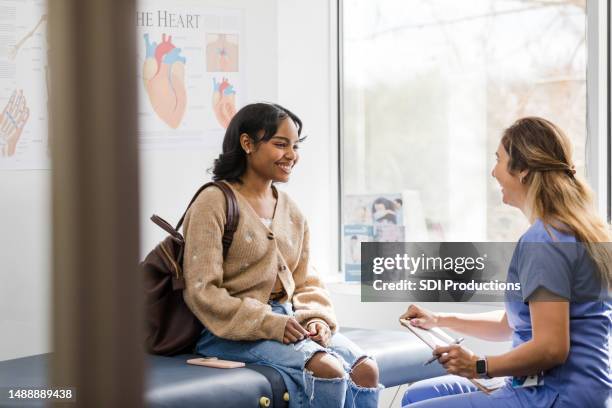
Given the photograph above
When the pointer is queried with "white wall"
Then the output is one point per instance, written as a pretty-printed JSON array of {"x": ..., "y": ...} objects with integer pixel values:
[
  {"x": 307, "y": 85},
  {"x": 25, "y": 229}
]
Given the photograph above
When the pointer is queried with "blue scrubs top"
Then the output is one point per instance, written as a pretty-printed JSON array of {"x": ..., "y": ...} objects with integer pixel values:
[{"x": 567, "y": 271}]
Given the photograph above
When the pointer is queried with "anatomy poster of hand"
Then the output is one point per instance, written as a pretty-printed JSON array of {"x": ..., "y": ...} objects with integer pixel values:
[
  {"x": 190, "y": 64},
  {"x": 24, "y": 141}
]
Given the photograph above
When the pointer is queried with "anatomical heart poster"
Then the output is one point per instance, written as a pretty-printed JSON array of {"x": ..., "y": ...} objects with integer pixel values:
[
  {"x": 24, "y": 142},
  {"x": 190, "y": 61}
]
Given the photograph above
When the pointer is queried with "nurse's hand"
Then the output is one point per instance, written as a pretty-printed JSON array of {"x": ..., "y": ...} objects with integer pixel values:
[
  {"x": 420, "y": 317},
  {"x": 294, "y": 331},
  {"x": 457, "y": 360}
]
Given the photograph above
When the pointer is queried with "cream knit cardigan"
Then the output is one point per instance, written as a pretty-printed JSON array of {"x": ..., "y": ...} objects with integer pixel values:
[{"x": 230, "y": 296}]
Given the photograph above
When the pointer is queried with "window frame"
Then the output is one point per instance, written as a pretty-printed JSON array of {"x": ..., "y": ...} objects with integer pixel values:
[
  {"x": 609, "y": 111},
  {"x": 597, "y": 158}
]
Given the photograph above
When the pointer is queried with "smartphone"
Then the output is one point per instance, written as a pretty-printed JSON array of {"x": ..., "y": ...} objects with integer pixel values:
[{"x": 215, "y": 363}]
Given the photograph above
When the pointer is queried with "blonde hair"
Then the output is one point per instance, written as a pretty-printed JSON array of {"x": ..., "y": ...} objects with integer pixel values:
[{"x": 555, "y": 195}]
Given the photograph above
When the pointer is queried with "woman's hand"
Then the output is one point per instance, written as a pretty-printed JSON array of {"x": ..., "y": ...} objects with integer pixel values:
[
  {"x": 457, "y": 360},
  {"x": 320, "y": 333},
  {"x": 294, "y": 331},
  {"x": 420, "y": 317}
]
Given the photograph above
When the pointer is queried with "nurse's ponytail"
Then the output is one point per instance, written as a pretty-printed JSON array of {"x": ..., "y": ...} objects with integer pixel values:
[{"x": 555, "y": 194}]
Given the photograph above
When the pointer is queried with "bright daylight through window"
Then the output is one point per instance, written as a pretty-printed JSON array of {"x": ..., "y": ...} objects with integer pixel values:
[{"x": 428, "y": 87}]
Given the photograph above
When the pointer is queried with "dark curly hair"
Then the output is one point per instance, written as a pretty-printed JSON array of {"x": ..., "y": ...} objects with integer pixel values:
[{"x": 252, "y": 120}]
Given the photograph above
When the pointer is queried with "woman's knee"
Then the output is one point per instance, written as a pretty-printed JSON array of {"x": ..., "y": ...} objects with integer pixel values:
[
  {"x": 324, "y": 365},
  {"x": 365, "y": 373}
]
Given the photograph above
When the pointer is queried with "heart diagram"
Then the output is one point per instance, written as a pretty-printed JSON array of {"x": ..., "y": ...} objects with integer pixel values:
[
  {"x": 224, "y": 101},
  {"x": 163, "y": 73},
  {"x": 221, "y": 53}
]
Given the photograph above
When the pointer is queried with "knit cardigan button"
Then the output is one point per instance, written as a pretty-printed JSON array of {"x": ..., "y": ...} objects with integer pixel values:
[{"x": 270, "y": 236}]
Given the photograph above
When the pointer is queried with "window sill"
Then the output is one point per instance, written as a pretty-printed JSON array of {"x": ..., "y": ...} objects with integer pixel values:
[
  {"x": 353, "y": 289},
  {"x": 344, "y": 288}
]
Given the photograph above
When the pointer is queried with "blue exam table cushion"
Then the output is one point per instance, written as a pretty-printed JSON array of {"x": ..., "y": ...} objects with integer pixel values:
[{"x": 173, "y": 383}]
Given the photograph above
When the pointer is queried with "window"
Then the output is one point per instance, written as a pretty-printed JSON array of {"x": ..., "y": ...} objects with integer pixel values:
[{"x": 427, "y": 88}]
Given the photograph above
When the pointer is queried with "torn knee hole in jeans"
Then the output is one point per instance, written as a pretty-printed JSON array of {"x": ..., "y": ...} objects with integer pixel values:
[
  {"x": 309, "y": 356},
  {"x": 359, "y": 361},
  {"x": 308, "y": 376},
  {"x": 352, "y": 384}
]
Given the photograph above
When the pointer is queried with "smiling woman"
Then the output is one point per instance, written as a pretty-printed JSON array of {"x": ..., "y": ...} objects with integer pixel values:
[
  {"x": 263, "y": 303},
  {"x": 254, "y": 126},
  {"x": 275, "y": 159}
]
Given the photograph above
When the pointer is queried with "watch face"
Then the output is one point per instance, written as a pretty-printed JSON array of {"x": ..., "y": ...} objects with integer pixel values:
[{"x": 481, "y": 366}]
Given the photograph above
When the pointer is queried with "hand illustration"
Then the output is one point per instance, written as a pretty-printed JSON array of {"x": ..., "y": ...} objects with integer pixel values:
[{"x": 12, "y": 120}]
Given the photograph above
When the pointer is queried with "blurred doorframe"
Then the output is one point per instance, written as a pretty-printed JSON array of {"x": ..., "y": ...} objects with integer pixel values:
[{"x": 96, "y": 314}]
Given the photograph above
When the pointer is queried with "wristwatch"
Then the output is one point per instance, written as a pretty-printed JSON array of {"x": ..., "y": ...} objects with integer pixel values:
[{"x": 481, "y": 368}]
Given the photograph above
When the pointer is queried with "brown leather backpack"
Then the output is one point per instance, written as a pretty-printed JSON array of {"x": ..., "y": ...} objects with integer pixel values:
[{"x": 171, "y": 328}]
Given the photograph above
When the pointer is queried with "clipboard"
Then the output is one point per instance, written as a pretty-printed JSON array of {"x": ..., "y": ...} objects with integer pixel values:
[
  {"x": 436, "y": 337},
  {"x": 433, "y": 337}
]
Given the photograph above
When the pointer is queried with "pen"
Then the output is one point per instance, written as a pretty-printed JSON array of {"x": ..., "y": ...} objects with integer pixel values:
[{"x": 434, "y": 358}]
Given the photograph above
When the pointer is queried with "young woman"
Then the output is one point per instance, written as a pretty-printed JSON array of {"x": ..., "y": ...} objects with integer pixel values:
[
  {"x": 560, "y": 328},
  {"x": 263, "y": 303}
]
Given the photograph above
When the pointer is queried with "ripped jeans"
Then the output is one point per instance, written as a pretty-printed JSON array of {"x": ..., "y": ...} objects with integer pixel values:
[{"x": 289, "y": 360}]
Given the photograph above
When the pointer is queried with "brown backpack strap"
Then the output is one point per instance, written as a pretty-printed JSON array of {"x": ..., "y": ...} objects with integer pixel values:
[
  {"x": 165, "y": 225},
  {"x": 232, "y": 212},
  {"x": 233, "y": 216}
]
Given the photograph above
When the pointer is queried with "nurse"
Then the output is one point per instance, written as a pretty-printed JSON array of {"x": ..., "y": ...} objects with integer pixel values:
[{"x": 560, "y": 328}]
